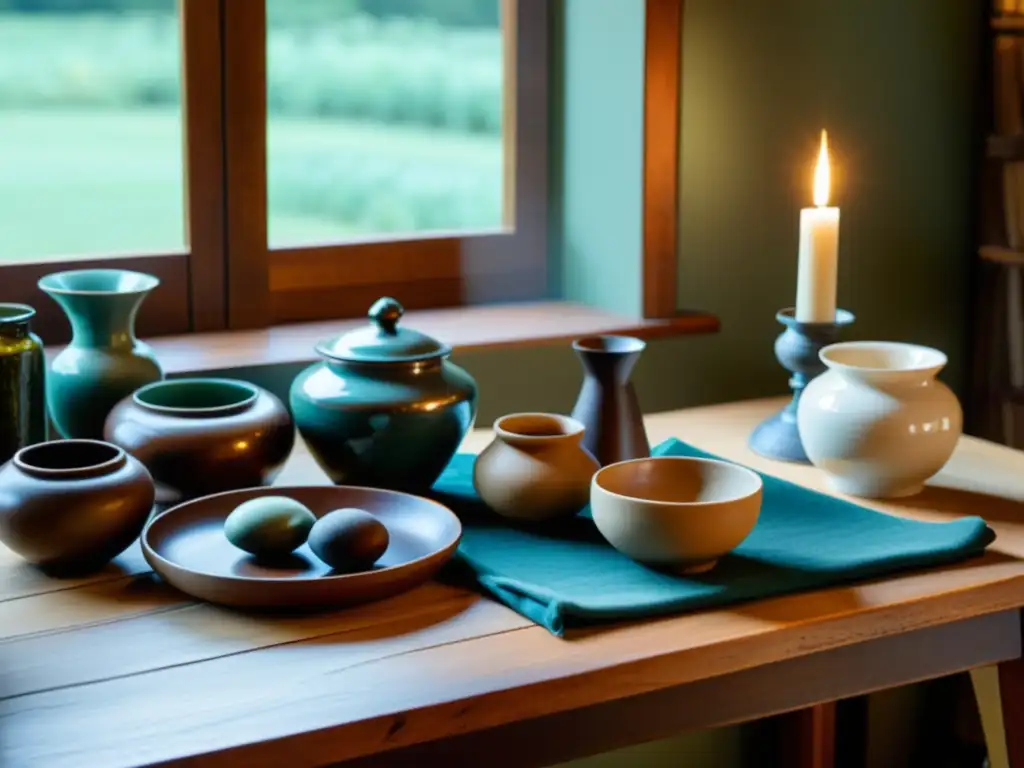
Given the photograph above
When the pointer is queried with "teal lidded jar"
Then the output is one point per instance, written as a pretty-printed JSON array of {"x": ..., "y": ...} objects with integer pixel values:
[
  {"x": 385, "y": 408},
  {"x": 22, "y": 387},
  {"x": 104, "y": 361}
]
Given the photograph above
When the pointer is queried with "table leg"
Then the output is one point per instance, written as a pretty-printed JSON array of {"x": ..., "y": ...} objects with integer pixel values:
[
  {"x": 809, "y": 737},
  {"x": 985, "y": 681},
  {"x": 1011, "y": 698}
]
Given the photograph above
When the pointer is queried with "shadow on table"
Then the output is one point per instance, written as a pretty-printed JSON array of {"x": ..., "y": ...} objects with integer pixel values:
[
  {"x": 958, "y": 502},
  {"x": 809, "y": 603},
  {"x": 806, "y": 589},
  {"x": 411, "y": 612},
  {"x": 796, "y": 597},
  {"x": 138, "y": 596},
  {"x": 23, "y": 576},
  {"x": 843, "y": 597}
]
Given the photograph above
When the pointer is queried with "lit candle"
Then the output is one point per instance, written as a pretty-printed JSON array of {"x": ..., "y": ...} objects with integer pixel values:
[{"x": 819, "y": 250}]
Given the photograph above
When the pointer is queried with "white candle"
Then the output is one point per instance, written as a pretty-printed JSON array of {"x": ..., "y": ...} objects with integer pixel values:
[{"x": 819, "y": 250}]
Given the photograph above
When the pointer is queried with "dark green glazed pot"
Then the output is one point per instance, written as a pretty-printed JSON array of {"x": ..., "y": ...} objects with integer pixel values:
[
  {"x": 385, "y": 408},
  {"x": 22, "y": 386},
  {"x": 104, "y": 361}
]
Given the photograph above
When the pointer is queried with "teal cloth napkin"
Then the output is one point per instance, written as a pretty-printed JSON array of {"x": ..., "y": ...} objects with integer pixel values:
[{"x": 566, "y": 575}]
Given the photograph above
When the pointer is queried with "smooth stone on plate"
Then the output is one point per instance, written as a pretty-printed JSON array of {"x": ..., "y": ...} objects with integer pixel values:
[
  {"x": 349, "y": 539},
  {"x": 269, "y": 526}
]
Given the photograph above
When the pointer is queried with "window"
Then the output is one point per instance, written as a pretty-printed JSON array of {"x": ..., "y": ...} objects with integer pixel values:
[
  {"x": 92, "y": 131},
  {"x": 92, "y": 167},
  {"x": 384, "y": 125},
  {"x": 405, "y": 153},
  {"x": 286, "y": 160},
  {"x": 274, "y": 162}
]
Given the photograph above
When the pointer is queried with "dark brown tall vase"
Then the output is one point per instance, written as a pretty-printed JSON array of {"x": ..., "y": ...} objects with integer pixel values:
[{"x": 607, "y": 404}]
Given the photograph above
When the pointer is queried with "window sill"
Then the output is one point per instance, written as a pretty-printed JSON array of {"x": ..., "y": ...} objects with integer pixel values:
[{"x": 464, "y": 328}]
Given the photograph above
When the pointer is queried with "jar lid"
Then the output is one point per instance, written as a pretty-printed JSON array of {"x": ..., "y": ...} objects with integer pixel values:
[{"x": 382, "y": 341}]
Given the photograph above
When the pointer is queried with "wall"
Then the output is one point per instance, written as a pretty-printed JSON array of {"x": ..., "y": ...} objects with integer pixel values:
[
  {"x": 598, "y": 121},
  {"x": 894, "y": 83}
]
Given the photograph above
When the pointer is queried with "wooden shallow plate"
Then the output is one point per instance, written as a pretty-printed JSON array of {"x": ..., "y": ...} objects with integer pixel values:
[{"x": 187, "y": 547}]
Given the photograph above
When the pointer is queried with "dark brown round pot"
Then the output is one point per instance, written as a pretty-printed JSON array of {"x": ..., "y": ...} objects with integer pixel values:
[
  {"x": 203, "y": 436},
  {"x": 71, "y": 506}
]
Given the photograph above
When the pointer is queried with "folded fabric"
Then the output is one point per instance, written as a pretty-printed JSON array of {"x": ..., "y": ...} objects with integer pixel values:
[{"x": 566, "y": 575}]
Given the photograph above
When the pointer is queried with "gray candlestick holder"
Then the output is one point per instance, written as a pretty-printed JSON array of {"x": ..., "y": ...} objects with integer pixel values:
[{"x": 797, "y": 349}]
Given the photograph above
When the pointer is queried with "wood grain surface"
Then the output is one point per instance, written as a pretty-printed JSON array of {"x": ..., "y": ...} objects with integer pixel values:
[
  {"x": 794, "y": 686},
  {"x": 464, "y": 328},
  {"x": 118, "y": 669}
]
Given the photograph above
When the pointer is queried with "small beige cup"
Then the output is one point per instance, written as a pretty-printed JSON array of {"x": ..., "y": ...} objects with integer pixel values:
[{"x": 536, "y": 469}]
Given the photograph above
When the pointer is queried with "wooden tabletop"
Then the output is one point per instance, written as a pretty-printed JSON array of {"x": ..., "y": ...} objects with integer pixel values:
[{"x": 119, "y": 669}]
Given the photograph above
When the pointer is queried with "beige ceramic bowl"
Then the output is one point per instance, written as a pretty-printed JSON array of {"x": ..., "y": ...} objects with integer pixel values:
[{"x": 675, "y": 512}]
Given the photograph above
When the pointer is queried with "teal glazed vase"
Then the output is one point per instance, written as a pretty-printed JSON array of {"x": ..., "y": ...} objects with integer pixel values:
[
  {"x": 104, "y": 362},
  {"x": 22, "y": 388},
  {"x": 385, "y": 408}
]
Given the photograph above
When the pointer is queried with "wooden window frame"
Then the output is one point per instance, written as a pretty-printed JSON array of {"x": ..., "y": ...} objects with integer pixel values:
[
  {"x": 268, "y": 286},
  {"x": 190, "y": 295},
  {"x": 227, "y": 276},
  {"x": 663, "y": 82}
]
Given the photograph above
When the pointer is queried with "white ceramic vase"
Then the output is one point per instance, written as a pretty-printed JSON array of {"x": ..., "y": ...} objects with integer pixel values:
[{"x": 878, "y": 422}]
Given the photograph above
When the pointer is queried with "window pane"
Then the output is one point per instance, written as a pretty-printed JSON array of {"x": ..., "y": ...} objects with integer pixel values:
[
  {"x": 385, "y": 116},
  {"x": 90, "y": 128}
]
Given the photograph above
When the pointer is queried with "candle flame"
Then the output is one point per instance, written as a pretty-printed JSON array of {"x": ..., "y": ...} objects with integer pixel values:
[{"x": 822, "y": 174}]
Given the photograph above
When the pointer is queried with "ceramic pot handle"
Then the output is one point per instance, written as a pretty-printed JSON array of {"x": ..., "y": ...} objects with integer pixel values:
[{"x": 386, "y": 312}]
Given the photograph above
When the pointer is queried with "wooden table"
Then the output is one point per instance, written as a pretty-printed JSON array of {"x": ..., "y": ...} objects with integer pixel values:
[{"x": 122, "y": 670}]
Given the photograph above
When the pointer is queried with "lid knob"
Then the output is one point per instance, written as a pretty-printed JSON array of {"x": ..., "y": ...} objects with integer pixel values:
[
  {"x": 382, "y": 341},
  {"x": 386, "y": 312}
]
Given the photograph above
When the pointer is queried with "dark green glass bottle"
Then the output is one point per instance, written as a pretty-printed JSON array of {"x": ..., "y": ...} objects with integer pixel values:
[{"x": 22, "y": 388}]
